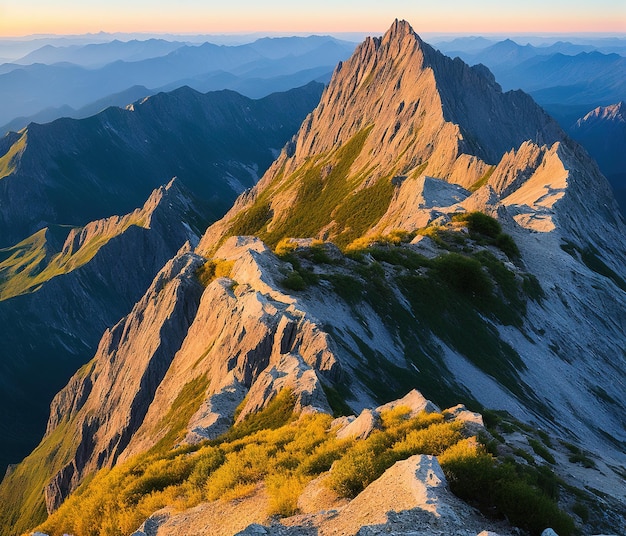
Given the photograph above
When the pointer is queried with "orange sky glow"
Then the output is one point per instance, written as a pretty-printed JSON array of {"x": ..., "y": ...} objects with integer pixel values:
[{"x": 323, "y": 16}]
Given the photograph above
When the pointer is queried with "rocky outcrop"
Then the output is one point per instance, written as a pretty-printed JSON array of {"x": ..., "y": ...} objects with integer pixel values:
[
  {"x": 138, "y": 349},
  {"x": 85, "y": 284},
  {"x": 412, "y": 493},
  {"x": 252, "y": 340},
  {"x": 369, "y": 420},
  {"x": 70, "y": 177}
]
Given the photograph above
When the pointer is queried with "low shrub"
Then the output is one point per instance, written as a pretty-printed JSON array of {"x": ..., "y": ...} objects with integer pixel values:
[
  {"x": 462, "y": 273},
  {"x": 477, "y": 477},
  {"x": 284, "y": 489},
  {"x": 507, "y": 245},
  {"x": 294, "y": 281},
  {"x": 213, "y": 269},
  {"x": 433, "y": 440},
  {"x": 480, "y": 223},
  {"x": 542, "y": 451}
]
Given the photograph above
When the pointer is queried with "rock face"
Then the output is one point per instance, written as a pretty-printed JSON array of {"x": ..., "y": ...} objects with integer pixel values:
[
  {"x": 61, "y": 304},
  {"x": 139, "y": 349}
]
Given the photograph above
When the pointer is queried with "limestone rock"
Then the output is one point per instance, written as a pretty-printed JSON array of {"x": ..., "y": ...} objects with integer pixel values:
[
  {"x": 412, "y": 495},
  {"x": 414, "y": 400},
  {"x": 361, "y": 427},
  {"x": 150, "y": 527},
  {"x": 473, "y": 421}
]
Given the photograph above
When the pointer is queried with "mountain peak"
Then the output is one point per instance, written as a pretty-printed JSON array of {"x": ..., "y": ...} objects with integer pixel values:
[
  {"x": 613, "y": 112},
  {"x": 398, "y": 30}
]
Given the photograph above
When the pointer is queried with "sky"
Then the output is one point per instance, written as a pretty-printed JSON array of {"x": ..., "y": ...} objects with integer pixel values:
[{"x": 25, "y": 17}]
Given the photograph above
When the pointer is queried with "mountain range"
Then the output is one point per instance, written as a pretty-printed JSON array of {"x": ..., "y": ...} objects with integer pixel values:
[
  {"x": 566, "y": 79},
  {"x": 422, "y": 230},
  {"x": 256, "y": 69},
  {"x": 80, "y": 182}
]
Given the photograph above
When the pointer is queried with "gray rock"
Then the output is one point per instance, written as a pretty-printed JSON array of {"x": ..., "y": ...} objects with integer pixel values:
[{"x": 253, "y": 530}]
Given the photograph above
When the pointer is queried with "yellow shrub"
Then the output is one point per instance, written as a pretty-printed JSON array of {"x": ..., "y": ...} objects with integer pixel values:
[
  {"x": 432, "y": 440},
  {"x": 464, "y": 449},
  {"x": 394, "y": 417},
  {"x": 213, "y": 269},
  {"x": 285, "y": 246},
  {"x": 240, "y": 469},
  {"x": 284, "y": 489}
]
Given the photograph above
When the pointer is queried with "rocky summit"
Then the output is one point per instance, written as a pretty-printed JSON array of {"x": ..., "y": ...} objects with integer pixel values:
[{"x": 422, "y": 230}]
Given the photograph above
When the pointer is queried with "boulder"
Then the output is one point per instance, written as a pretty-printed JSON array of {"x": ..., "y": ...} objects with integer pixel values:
[{"x": 361, "y": 427}]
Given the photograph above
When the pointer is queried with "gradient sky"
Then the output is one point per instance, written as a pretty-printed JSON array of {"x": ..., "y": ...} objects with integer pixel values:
[{"x": 23, "y": 17}]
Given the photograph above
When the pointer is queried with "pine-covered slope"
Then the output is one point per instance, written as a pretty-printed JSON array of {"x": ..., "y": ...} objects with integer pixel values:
[{"x": 523, "y": 314}]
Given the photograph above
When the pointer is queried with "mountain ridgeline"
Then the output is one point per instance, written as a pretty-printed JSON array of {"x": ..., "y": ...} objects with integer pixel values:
[
  {"x": 74, "y": 171},
  {"x": 603, "y": 133},
  {"x": 76, "y": 252},
  {"x": 422, "y": 230}
]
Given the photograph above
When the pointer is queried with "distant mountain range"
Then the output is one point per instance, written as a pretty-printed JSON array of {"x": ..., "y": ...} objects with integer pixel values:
[
  {"x": 565, "y": 78},
  {"x": 79, "y": 76}
]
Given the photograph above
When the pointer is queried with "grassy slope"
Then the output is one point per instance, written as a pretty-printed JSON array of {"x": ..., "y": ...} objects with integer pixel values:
[
  {"x": 27, "y": 265},
  {"x": 285, "y": 453}
]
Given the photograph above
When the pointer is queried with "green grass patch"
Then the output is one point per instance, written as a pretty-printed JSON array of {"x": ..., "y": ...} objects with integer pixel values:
[
  {"x": 251, "y": 220},
  {"x": 277, "y": 413},
  {"x": 21, "y": 493},
  {"x": 8, "y": 161},
  {"x": 324, "y": 186},
  {"x": 27, "y": 265},
  {"x": 590, "y": 258},
  {"x": 176, "y": 419},
  {"x": 483, "y": 180},
  {"x": 541, "y": 451}
]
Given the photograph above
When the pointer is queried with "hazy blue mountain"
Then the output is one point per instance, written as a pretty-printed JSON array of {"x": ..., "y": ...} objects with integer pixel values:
[
  {"x": 120, "y": 99},
  {"x": 99, "y": 54},
  {"x": 27, "y": 90},
  {"x": 470, "y": 44},
  {"x": 279, "y": 47},
  {"x": 509, "y": 53},
  {"x": 559, "y": 75},
  {"x": 603, "y": 133}
]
